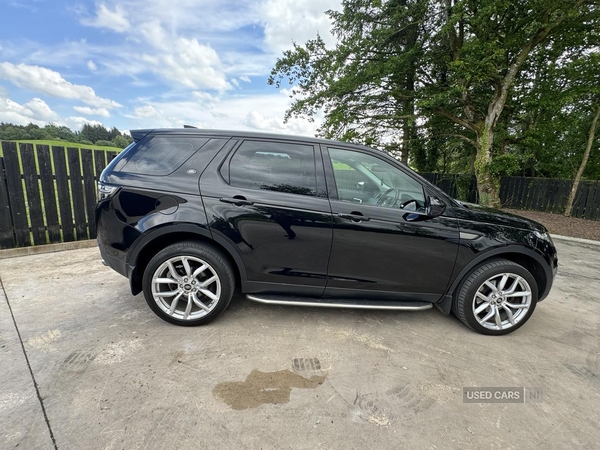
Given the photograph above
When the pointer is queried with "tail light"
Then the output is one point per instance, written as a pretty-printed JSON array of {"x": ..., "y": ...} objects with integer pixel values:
[{"x": 106, "y": 190}]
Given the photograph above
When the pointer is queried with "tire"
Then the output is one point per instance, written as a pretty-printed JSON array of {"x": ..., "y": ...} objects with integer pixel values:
[
  {"x": 198, "y": 299},
  {"x": 475, "y": 299}
]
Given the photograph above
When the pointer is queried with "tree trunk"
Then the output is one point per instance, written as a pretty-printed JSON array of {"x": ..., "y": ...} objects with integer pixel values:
[
  {"x": 586, "y": 156},
  {"x": 487, "y": 184},
  {"x": 408, "y": 130},
  {"x": 472, "y": 162},
  {"x": 409, "y": 126},
  {"x": 405, "y": 142}
]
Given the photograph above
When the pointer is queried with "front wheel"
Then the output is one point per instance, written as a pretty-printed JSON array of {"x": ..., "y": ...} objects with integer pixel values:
[
  {"x": 497, "y": 298},
  {"x": 188, "y": 283}
]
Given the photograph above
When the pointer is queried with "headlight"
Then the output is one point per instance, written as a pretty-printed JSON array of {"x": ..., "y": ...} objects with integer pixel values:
[
  {"x": 545, "y": 236},
  {"x": 106, "y": 190}
]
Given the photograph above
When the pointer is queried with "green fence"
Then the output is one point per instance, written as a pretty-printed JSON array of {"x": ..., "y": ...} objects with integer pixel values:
[{"x": 48, "y": 194}]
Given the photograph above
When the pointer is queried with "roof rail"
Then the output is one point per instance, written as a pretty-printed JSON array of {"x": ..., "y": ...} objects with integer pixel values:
[{"x": 189, "y": 126}]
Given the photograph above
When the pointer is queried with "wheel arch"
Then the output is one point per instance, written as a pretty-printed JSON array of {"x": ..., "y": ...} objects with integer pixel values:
[
  {"x": 523, "y": 256},
  {"x": 155, "y": 240}
]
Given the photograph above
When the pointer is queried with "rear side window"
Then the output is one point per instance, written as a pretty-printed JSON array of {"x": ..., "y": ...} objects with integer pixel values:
[
  {"x": 274, "y": 166},
  {"x": 161, "y": 155}
]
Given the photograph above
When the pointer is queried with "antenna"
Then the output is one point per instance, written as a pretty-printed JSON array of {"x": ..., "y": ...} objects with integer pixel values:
[{"x": 189, "y": 126}]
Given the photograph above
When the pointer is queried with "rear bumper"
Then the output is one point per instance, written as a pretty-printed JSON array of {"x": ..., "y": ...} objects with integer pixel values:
[
  {"x": 113, "y": 259},
  {"x": 115, "y": 237}
]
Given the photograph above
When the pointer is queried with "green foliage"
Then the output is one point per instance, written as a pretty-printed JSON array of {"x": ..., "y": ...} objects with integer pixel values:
[
  {"x": 444, "y": 81},
  {"x": 104, "y": 143},
  {"x": 89, "y": 135},
  {"x": 366, "y": 85},
  {"x": 121, "y": 141},
  {"x": 507, "y": 164}
]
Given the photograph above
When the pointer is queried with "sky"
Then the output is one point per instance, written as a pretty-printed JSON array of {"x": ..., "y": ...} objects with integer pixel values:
[{"x": 152, "y": 63}]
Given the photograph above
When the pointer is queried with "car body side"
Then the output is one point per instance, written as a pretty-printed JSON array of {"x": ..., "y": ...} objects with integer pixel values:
[{"x": 147, "y": 213}]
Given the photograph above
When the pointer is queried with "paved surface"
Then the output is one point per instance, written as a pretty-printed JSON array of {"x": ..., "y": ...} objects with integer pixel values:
[{"x": 111, "y": 375}]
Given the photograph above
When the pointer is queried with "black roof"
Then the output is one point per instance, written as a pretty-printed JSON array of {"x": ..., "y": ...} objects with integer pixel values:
[{"x": 138, "y": 134}]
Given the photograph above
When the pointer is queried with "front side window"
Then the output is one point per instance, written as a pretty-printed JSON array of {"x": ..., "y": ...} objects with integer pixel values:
[
  {"x": 274, "y": 166},
  {"x": 363, "y": 178}
]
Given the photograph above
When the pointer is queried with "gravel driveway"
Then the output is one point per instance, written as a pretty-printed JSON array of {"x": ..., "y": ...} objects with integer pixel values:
[{"x": 562, "y": 225}]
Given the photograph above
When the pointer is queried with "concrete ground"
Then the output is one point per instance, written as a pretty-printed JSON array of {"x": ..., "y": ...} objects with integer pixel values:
[{"x": 111, "y": 375}]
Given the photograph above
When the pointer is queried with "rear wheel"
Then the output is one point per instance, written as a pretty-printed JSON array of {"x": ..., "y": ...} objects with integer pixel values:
[
  {"x": 497, "y": 298},
  {"x": 188, "y": 283}
]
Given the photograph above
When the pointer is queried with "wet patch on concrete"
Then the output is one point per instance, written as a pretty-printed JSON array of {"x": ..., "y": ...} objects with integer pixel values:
[{"x": 261, "y": 388}]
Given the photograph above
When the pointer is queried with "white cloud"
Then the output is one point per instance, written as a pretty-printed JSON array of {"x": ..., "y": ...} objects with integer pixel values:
[
  {"x": 115, "y": 20},
  {"x": 49, "y": 82},
  {"x": 296, "y": 20},
  {"x": 38, "y": 112},
  {"x": 76, "y": 123},
  {"x": 189, "y": 63},
  {"x": 201, "y": 15},
  {"x": 205, "y": 97},
  {"x": 145, "y": 111},
  {"x": 103, "y": 112},
  {"x": 40, "y": 109},
  {"x": 256, "y": 120},
  {"x": 187, "y": 54},
  {"x": 180, "y": 60},
  {"x": 254, "y": 112},
  {"x": 197, "y": 44},
  {"x": 34, "y": 111}
]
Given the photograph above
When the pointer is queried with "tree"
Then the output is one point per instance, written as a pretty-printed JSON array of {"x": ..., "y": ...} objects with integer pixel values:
[
  {"x": 468, "y": 57},
  {"x": 504, "y": 36},
  {"x": 584, "y": 161},
  {"x": 59, "y": 132},
  {"x": 366, "y": 85},
  {"x": 113, "y": 133},
  {"x": 89, "y": 134},
  {"x": 94, "y": 133},
  {"x": 557, "y": 101}
]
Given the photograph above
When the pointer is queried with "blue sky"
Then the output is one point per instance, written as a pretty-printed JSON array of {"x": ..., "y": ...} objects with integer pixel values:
[{"x": 152, "y": 63}]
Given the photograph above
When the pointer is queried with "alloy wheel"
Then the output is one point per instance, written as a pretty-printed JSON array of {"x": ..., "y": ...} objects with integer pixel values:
[
  {"x": 502, "y": 301},
  {"x": 186, "y": 287}
]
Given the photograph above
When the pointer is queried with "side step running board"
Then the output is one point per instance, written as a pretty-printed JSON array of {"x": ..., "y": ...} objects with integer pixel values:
[{"x": 338, "y": 303}]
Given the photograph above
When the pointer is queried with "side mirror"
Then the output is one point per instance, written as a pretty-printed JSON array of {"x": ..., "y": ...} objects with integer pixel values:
[{"x": 435, "y": 207}]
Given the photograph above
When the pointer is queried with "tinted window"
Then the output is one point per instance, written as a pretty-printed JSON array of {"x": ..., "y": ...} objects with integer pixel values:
[
  {"x": 161, "y": 155},
  {"x": 274, "y": 166}
]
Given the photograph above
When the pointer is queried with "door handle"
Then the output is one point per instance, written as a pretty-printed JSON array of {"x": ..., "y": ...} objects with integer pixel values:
[
  {"x": 354, "y": 216},
  {"x": 238, "y": 200}
]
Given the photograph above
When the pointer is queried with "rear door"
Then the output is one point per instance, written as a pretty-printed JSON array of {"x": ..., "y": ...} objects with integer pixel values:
[
  {"x": 267, "y": 199},
  {"x": 384, "y": 245}
]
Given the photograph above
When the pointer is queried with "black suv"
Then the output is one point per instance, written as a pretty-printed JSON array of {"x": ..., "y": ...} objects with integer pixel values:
[{"x": 188, "y": 215}]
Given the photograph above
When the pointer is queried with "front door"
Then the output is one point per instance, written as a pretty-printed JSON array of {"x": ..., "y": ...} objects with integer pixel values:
[
  {"x": 268, "y": 200},
  {"x": 384, "y": 246}
]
